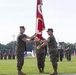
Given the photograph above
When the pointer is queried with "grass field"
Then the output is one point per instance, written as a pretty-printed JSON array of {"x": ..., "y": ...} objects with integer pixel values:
[{"x": 8, "y": 67}]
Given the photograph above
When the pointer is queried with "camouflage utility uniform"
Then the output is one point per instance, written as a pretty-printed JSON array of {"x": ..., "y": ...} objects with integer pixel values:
[
  {"x": 53, "y": 51},
  {"x": 61, "y": 54},
  {"x": 40, "y": 53},
  {"x": 68, "y": 55},
  {"x": 21, "y": 47}
]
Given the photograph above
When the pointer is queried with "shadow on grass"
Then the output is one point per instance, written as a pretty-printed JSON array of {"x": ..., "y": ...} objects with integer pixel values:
[{"x": 46, "y": 73}]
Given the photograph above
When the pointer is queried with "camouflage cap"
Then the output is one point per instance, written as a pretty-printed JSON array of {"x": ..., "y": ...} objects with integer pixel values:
[
  {"x": 22, "y": 27},
  {"x": 50, "y": 29}
]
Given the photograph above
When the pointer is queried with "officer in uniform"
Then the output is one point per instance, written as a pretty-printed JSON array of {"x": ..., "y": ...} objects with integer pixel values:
[
  {"x": 13, "y": 56},
  {"x": 61, "y": 54},
  {"x": 21, "y": 48},
  {"x": 5, "y": 56},
  {"x": 40, "y": 53},
  {"x": 1, "y": 55},
  {"x": 68, "y": 54},
  {"x": 52, "y": 44}
]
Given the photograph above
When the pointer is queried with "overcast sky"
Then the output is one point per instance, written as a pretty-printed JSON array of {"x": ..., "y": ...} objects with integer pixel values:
[{"x": 58, "y": 14}]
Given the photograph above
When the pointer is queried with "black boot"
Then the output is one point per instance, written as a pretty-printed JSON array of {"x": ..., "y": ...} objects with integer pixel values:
[
  {"x": 55, "y": 72},
  {"x": 40, "y": 71},
  {"x": 21, "y": 73}
]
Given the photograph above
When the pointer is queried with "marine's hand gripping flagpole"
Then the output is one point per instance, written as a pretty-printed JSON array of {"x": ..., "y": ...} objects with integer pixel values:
[{"x": 39, "y": 20}]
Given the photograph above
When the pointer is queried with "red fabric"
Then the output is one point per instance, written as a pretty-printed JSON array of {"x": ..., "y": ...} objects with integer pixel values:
[
  {"x": 39, "y": 36},
  {"x": 40, "y": 21}
]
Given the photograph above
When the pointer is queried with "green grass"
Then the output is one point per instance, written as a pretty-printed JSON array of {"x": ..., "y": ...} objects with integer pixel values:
[{"x": 8, "y": 67}]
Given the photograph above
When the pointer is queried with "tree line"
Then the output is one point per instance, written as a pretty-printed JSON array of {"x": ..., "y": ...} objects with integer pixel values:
[{"x": 12, "y": 45}]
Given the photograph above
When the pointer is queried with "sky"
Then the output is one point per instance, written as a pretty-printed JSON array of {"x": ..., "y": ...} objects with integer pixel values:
[{"x": 58, "y": 14}]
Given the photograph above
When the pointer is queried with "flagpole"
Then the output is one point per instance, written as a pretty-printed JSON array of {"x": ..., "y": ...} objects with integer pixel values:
[
  {"x": 36, "y": 21},
  {"x": 35, "y": 31},
  {"x": 41, "y": 2}
]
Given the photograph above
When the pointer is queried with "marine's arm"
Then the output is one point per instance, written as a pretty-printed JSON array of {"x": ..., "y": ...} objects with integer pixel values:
[
  {"x": 44, "y": 43},
  {"x": 28, "y": 37},
  {"x": 28, "y": 41}
]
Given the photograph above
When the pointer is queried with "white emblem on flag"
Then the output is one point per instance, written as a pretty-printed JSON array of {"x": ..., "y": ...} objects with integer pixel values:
[{"x": 39, "y": 9}]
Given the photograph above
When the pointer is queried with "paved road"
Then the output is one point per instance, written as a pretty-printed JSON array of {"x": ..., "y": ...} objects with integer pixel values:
[{"x": 66, "y": 74}]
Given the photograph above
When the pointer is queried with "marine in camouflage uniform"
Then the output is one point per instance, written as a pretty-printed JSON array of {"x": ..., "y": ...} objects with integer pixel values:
[
  {"x": 53, "y": 51},
  {"x": 40, "y": 53},
  {"x": 68, "y": 54},
  {"x": 21, "y": 48},
  {"x": 1, "y": 55},
  {"x": 61, "y": 54},
  {"x": 52, "y": 44}
]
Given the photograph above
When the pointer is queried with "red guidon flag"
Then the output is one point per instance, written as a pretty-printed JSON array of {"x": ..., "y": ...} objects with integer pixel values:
[{"x": 39, "y": 20}]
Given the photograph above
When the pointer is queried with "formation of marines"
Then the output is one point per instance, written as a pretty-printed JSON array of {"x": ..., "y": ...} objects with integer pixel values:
[
  {"x": 64, "y": 53},
  {"x": 6, "y": 56}
]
